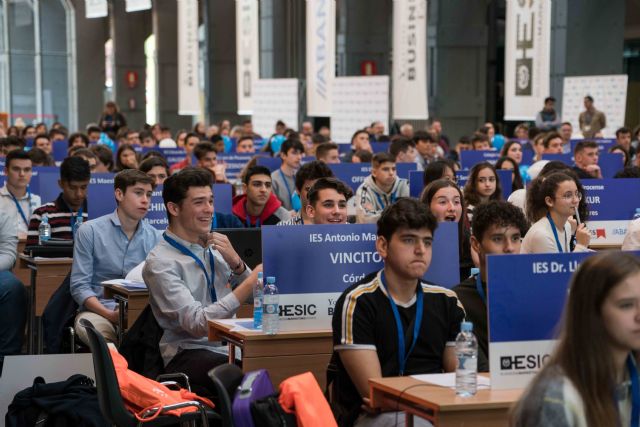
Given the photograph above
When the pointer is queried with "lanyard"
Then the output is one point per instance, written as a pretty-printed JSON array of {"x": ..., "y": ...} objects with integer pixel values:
[
  {"x": 635, "y": 392},
  {"x": 187, "y": 252},
  {"x": 19, "y": 208},
  {"x": 402, "y": 359},
  {"x": 247, "y": 220},
  {"x": 393, "y": 199},
  {"x": 286, "y": 184},
  {"x": 555, "y": 233},
  {"x": 480, "y": 289},
  {"x": 76, "y": 221},
  {"x": 214, "y": 222}
]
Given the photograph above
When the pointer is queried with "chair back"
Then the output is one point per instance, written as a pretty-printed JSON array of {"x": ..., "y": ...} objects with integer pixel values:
[
  {"x": 226, "y": 379},
  {"x": 109, "y": 396}
]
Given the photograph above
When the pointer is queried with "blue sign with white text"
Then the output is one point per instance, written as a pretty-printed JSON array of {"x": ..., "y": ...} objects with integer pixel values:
[
  {"x": 354, "y": 174},
  {"x": 612, "y": 199},
  {"x": 235, "y": 163},
  {"x": 329, "y": 258},
  {"x": 609, "y": 163}
]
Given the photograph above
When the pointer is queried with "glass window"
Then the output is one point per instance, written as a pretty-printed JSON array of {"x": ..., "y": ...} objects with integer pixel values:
[{"x": 22, "y": 64}]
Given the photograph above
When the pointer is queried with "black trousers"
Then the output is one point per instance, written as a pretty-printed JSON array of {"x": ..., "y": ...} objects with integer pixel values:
[{"x": 196, "y": 364}]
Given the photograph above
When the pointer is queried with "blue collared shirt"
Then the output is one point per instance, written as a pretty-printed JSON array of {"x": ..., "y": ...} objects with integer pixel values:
[{"x": 102, "y": 252}]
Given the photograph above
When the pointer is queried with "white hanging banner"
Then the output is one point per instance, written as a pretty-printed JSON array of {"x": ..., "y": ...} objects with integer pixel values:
[
  {"x": 527, "y": 58},
  {"x": 321, "y": 56},
  {"x": 409, "y": 77},
  {"x": 96, "y": 9},
  {"x": 273, "y": 100},
  {"x": 247, "y": 53},
  {"x": 188, "y": 96},
  {"x": 137, "y": 5}
]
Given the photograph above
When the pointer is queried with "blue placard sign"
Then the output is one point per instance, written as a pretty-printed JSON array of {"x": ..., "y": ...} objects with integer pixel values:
[
  {"x": 604, "y": 145},
  {"x": 47, "y": 183},
  {"x": 526, "y": 295},
  {"x": 60, "y": 148},
  {"x": 354, "y": 174},
  {"x": 222, "y": 198},
  {"x": 506, "y": 181},
  {"x": 416, "y": 183},
  {"x": 313, "y": 264},
  {"x": 34, "y": 184},
  {"x": 470, "y": 158},
  {"x": 609, "y": 163},
  {"x": 234, "y": 164},
  {"x": 173, "y": 155},
  {"x": 380, "y": 147},
  {"x": 274, "y": 163}
]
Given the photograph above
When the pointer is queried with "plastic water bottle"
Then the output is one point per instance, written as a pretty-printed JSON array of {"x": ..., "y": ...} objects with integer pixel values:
[
  {"x": 467, "y": 355},
  {"x": 271, "y": 307},
  {"x": 636, "y": 215},
  {"x": 44, "y": 230},
  {"x": 258, "y": 292}
]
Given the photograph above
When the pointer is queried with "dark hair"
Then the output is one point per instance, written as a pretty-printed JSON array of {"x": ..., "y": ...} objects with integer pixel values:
[
  {"x": 622, "y": 130},
  {"x": 400, "y": 145},
  {"x": 328, "y": 183},
  {"x": 580, "y": 146},
  {"x": 516, "y": 183},
  {"x": 24, "y": 129},
  {"x": 470, "y": 191},
  {"x": 627, "y": 157},
  {"x": 85, "y": 138},
  {"x": 549, "y": 98},
  {"x": 435, "y": 170},
  {"x": 130, "y": 177},
  {"x": 548, "y": 137},
  {"x": 628, "y": 172},
  {"x": 580, "y": 355},
  {"x": 380, "y": 158},
  {"x": 548, "y": 169},
  {"x": 18, "y": 154},
  {"x": 498, "y": 213},
  {"x": 152, "y": 153},
  {"x": 324, "y": 148},
  {"x": 92, "y": 129},
  {"x": 176, "y": 187},
  {"x": 589, "y": 97},
  {"x": 544, "y": 187},
  {"x": 40, "y": 157},
  {"x": 153, "y": 161},
  {"x": 54, "y": 132},
  {"x": 317, "y": 139},
  {"x": 192, "y": 135},
  {"x": 13, "y": 141},
  {"x": 358, "y": 132},
  {"x": 104, "y": 154},
  {"x": 422, "y": 135},
  {"x": 75, "y": 169},
  {"x": 405, "y": 213},
  {"x": 255, "y": 170},
  {"x": 364, "y": 156},
  {"x": 203, "y": 148},
  {"x": 428, "y": 194},
  {"x": 243, "y": 137},
  {"x": 479, "y": 137},
  {"x": 40, "y": 135},
  {"x": 121, "y": 149},
  {"x": 83, "y": 152},
  {"x": 291, "y": 144},
  {"x": 507, "y": 145},
  {"x": 312, "y": 170}
]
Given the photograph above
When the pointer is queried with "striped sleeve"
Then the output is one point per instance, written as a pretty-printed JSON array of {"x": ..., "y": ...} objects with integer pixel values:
[{"x": 356, "y": 318}]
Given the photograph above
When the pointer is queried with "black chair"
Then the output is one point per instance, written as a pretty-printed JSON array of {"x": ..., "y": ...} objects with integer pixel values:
[
  {"x": 226, "y": 379},
  {"x": 111, "y": 403}
]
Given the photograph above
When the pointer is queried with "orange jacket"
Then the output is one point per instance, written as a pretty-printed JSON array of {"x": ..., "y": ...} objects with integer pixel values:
[{"x": 302, "y": 395}]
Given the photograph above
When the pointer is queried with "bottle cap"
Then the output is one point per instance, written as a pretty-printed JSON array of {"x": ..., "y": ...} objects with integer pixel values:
[
  {"x": 271, "y": 279},
  {"x": 466, "y": 327},
  {"x": 260, "y": 275}
]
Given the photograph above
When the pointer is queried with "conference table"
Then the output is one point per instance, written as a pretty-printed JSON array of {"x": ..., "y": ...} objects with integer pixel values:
[
  {"x": 285, "y": 354},
  {"x": 440, "y": 405},
  {"x": 47, "y": 274}
]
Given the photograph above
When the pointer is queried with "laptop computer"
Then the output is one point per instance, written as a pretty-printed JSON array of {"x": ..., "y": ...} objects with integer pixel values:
[{"x": 247, "y": 242}]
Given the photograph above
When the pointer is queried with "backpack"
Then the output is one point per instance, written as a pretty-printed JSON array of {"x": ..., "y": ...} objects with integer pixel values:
[
  {"x": 255, "y": 385},
  {"x": 140, "y": 345},
  {"x": 73, "y": 402}
]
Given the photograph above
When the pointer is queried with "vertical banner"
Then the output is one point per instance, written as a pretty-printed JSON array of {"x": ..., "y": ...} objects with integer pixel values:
[
  {"x": 409, "y": 78},
  {"x": 321, "y": 56},
  {"x": 247, "y": 53},
  {"x": 96, "y": 9},
  {"x": 188, "y": 95},
  {"x": 356, "y": 102},
  {"x": 528, "y": 58},
  {"x": 137, "y": 5}
]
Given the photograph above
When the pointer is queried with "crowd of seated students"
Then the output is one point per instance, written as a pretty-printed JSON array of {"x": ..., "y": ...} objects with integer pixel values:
[{"x": 188, "y": 267}]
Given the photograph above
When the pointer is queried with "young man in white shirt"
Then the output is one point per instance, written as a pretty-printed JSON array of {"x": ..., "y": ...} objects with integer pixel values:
[
  {"x": 16, "y": 199},
  {"x": 283, "y": 179}
]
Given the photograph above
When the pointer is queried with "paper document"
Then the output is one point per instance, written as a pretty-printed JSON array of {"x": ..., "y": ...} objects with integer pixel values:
[
  {"x": 129, "y": 284},
  {"x": 449, "y": 380}
]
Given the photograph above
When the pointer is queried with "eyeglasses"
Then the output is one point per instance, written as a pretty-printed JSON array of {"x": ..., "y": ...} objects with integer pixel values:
[{"x": 569, "y": 196}]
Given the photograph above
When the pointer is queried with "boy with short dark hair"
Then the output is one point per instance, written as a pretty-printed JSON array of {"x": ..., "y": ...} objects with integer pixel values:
[
  {"x": 327, "y": 202},
  {"x": 69, "y": 210},
  {"x": 110, "y": 246},
  {"x": 283, "y": 179},
  {"x": 498, "y": 228},
  {"x": 16, "y": 199},
  {"x": 380, "y": 189},
  {"x": 258, "y": 205},
  {"x": 392, "y": 323},
  {"x": 306, "y": 176}
]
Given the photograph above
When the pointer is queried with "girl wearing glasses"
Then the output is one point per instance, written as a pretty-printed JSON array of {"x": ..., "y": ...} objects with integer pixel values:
[
  {"x": 483, "y": 185},
  {"x": 591, "y": 379},
  {"x": 552, "y": 202}
]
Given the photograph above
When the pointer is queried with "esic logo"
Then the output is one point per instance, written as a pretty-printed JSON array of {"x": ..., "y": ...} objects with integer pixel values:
[{"x": 522, "y": 361}]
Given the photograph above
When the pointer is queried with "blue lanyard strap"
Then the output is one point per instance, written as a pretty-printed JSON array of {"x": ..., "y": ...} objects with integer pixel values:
[
  {"x": 480, "y": 289},
  {"x": 555, "y": 232},
  {"x": 19, "y": 208},
  {"x": 635, "y": 392},
  {"x": 402, "y": 358},
  {"x": 286, "y": 184},
  {"x": 248, "y": 218},
  {"x": 392, "y": 197},
  {"x": 214, "y": 222},
  {"x": 187, "y": 252},
  {"x": 76, "y": 221}
]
